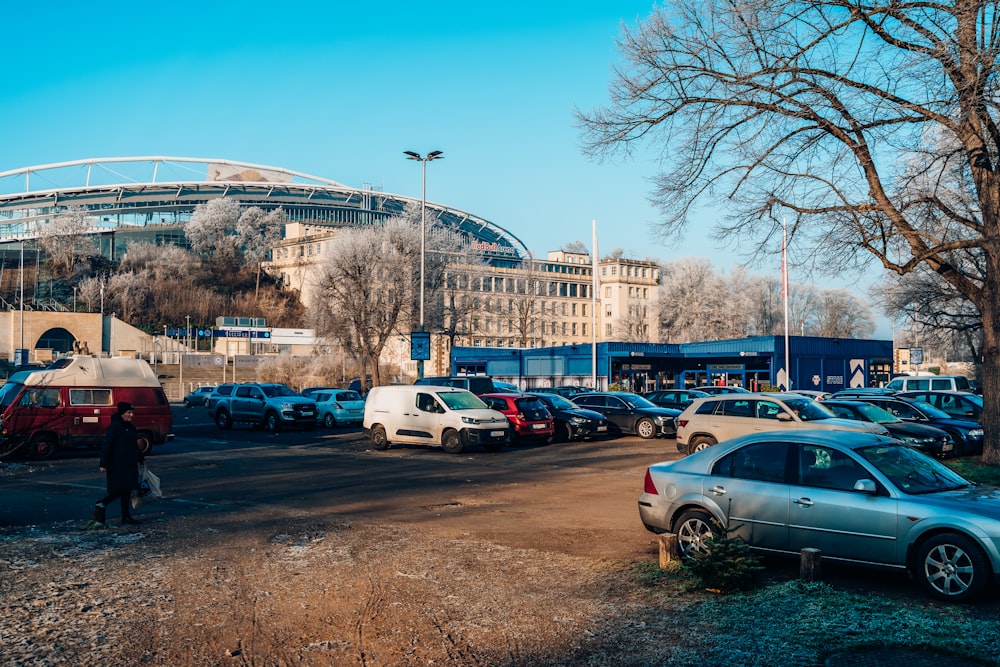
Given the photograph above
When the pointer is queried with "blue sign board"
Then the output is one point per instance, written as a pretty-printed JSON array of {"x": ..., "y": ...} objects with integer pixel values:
[{"x": 241, "y": 333}]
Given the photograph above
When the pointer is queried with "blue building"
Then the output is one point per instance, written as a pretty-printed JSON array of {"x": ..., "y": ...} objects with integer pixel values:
[{"x": 824, "y": 364}]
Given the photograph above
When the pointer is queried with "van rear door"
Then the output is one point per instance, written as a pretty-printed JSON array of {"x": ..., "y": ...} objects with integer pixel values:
[{"x": 88, "y": 415}]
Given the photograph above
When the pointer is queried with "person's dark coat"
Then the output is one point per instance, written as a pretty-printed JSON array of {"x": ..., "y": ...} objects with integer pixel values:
[{"x": 120, "y": 455}]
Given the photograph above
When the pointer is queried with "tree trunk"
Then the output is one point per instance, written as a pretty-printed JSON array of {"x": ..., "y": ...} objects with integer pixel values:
[{"x": 991, "y": 377}]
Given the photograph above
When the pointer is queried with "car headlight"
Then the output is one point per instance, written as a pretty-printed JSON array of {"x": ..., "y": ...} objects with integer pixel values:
[
  {"x": 663, "y": 420},
  {"x": 577, "y": 421},
  {"x": 287, "y": 406},
  {"x": 976, "y": 433}
]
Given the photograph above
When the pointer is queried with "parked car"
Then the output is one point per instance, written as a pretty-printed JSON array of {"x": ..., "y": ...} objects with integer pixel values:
[
  {"x": 862, "y": 392},
  {"x": 477, "y": 384},
  {"x": 198, "y": 396},
  {"x": 967, "y": 435},
  {"x": 928, "y": 439},
  {"x": 711, "y": 420},
  {"x": 571, "y": 422},
  {"x": 529, "y": 418},
  {"x": 266, "y": 404},
  {"x": 630, "y": 413},
  {"x": 432, "y": 415},
  {"x": 338, "y": 406},
  {"x": 566, "y": 391},
  {"x": 814, "y": 394},
  {"x": 505, "y": 387},
  {"x": 71, "y": 403},
  {"x": 676, "y": 399},
  {"x": 958, "y": 404},
  {"x": 935, "y": 382},
  {"x": 859, "y": 498},
  {"x": 715, "y": 389}
]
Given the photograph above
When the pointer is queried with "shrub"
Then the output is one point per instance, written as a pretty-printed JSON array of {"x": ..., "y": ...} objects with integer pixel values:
[{"x": 726, "y": 564}]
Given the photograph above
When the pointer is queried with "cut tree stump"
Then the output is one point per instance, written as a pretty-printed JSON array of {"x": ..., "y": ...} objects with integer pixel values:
[
  {"x": 669, "y": 549},
  {"x": 810, "y": 564}
]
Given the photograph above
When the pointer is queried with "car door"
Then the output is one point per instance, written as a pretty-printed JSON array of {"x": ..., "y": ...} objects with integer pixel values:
[
  {"x": 619, "y": 414},
  {"x": 733, "y": 417},
  {"x": 749, "y": 487},
  {"x": 421, "y": 423},
  {"x": 248, "y": 402},
  {"x": 826, "y": 513}
]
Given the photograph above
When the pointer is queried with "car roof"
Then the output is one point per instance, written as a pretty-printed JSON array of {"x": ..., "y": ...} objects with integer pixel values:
[{"x": 825, "y": 438}]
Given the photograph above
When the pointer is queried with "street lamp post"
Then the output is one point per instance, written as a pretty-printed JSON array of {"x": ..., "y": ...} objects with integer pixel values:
[{"x": 433, "y": 155}]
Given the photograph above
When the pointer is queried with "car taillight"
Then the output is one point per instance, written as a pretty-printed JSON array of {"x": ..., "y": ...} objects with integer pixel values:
[
  {"x": 648, "y": 486},
  {"x": 681, "y": 422}
]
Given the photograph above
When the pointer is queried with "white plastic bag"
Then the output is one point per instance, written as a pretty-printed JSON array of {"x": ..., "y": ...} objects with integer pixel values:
[{"x": 149, "y": 486}]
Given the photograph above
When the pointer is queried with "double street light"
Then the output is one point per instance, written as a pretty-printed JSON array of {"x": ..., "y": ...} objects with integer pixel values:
[{"x": 423, "y": 159}]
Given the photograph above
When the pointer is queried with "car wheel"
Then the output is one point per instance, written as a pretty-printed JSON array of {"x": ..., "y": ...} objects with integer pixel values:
[
  {"x": 645, "y": 428},
  {"x": 693, "y": 529},
  {"x": 699, "y": 443},
  {"x": 452, "y": 442},
  {"x": 42, "y": 447},
  {"x": 566, "y": 433},
  {"x": 145, "y": 443},
  {"x": 223, "y": 421},
  {"x": 952, "y": 567},
  {"x": 271, "y": 422},
  {"x": 328, "y": 420},
  {"x": 378, "y": 438}
]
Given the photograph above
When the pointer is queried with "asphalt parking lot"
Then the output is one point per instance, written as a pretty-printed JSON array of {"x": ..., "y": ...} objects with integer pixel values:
[{"x": 204, "y": 469}]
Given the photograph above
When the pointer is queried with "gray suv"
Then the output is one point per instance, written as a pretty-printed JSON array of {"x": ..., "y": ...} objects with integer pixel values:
[{"x": 711, "y": 420}]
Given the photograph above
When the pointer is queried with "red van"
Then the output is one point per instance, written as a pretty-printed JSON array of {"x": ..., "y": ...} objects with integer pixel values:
[{"x": 70, "y": 404}]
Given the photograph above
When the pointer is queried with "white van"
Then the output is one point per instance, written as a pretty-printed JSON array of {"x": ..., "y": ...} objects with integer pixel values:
[
  {"x": 932, "y": 382},
  {"x": 428, "y": 415}
]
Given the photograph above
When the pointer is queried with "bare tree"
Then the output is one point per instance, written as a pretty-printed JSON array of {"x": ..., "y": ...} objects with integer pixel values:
[
  {"x": 808, "y": 109},
  {"x": 127, "y": 293},
  {"x": 257, "y": 232},
  {"x": 697, "y": 304},
  {"x": 367, "y": 285},
  {"x": 938, "y": 316},
  {"x": 633, "y": 325},
  {"x": 211, "y": 232},
  {"x": 66, "y": 239},
  {"x": 526, "y": 317}
]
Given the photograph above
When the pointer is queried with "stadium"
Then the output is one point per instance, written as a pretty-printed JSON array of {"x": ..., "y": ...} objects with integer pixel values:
[{"x": 151, "y": 198}]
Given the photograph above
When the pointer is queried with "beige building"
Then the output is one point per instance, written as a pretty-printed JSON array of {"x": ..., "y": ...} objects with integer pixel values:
[{"x": 540, "y": 303}]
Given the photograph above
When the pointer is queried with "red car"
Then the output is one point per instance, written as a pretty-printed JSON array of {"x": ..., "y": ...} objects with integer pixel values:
[{"x": 528, "y": 416}]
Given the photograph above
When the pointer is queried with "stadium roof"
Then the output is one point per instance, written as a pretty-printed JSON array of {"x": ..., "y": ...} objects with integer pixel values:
[{"x": 139, "y": 192}]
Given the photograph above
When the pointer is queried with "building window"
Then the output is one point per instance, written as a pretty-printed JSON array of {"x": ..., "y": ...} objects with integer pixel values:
[
  {"x": 584, "y": 327},
  {"x": 607, "y": 292},
  {"x": 607, "y": 331},
  {"x": 573, "y": 309}
]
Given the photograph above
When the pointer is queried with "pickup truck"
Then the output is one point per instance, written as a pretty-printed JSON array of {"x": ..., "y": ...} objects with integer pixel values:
[{"x": 269, "y": 405}]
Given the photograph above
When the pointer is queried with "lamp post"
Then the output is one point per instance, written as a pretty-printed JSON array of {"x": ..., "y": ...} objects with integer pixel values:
[{"x": 433, "y": 155}]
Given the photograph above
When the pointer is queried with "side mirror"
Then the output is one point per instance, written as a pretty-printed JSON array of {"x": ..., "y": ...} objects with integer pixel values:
[
  {"x": 784, "y": 417},
  {"x": 865, "y": 486}
]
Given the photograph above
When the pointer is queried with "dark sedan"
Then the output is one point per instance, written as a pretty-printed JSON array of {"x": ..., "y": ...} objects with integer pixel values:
[
  {"x": 571, "y": 421},
  {"x": 958, "y": 404},
  {"x": 631, "y": 413},
  {"x": 967, "y": 435},
  {"x": 928, "y": 439},
  {"x": 675, "y": 399}
]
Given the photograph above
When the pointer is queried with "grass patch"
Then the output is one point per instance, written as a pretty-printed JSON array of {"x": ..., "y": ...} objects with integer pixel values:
[{"x": 972, "y": 469}]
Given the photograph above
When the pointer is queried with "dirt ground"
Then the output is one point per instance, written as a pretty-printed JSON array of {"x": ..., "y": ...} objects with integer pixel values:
[{"x": 479, "y": 577}]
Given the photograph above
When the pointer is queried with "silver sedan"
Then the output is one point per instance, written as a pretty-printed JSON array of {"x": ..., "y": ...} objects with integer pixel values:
[{"x": 857, "y": 497}]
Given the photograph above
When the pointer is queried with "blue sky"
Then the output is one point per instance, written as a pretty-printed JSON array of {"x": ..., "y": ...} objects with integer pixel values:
[{"x": 339, "y": 90}]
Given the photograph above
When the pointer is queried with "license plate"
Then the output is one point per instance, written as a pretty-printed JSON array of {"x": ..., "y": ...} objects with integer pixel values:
[
  {"x": 307, "y": 413},
  {"x": 538, "y": 426},
  {"x": 602, "y": 428},
  {"x": 498, "y": 434}
]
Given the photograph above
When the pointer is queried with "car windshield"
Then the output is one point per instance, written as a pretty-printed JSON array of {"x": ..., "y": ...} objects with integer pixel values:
[
  {"x": 275, "y": 390},
  {"x": 461, "y": 400},
  {"x": 560, "y": 403},
  {"x": 807, "y": 409},
  {"x": 636, "y": 401},
  {"x": 930, "y": 411},
  {"x": 873, "y": 413},
  {"x": 9, "y": 392},
  {"x": 911, "y": 471}
]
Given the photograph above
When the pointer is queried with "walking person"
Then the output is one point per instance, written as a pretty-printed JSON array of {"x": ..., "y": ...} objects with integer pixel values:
[{"x": 120, "y": 459}]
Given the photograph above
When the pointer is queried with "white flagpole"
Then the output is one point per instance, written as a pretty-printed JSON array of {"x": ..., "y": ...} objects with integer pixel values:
[
  {"x": 593, "y": 314},
  {"x": 784, "y": 296}
]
